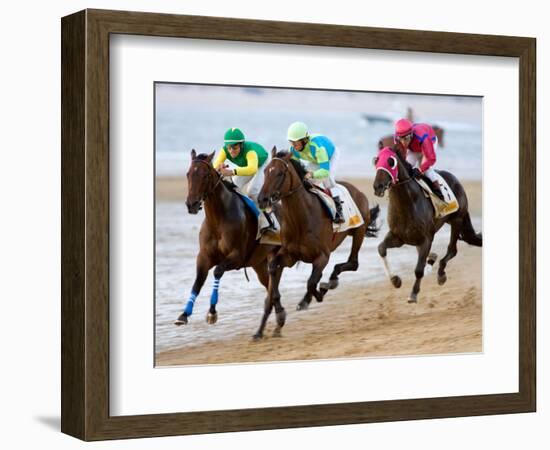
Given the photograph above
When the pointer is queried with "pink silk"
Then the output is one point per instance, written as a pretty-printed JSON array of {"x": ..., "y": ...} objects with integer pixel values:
[{"x": 383, "y": 163}]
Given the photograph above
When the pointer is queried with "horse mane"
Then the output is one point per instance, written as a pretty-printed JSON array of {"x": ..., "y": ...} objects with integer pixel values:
[
  {"x": 298, "y": 166},
  {"x": 397, "y": 152},
  {"x": 228, "y": 183}
]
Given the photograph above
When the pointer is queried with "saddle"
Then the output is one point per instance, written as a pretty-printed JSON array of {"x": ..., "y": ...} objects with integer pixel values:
[
  {"x": 352, "y": 215},
  {"x": 441, "y": 208}
]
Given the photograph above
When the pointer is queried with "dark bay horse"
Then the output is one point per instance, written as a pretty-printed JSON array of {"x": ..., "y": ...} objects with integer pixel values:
[
  {"x": 227, "y": 235},
  {"x": 411, "y": 216},
  {"x": 306, "y": 229}
]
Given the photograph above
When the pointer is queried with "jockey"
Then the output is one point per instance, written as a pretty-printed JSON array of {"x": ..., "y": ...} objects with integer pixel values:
[
  {"x": 250, "y": 159},
  {"x": 321, "y": 156},
  {"x": 419, "y": 142}
]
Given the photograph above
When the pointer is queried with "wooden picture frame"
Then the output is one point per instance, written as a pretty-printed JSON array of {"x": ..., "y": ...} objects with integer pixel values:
[{"x": 85, "y": 224}]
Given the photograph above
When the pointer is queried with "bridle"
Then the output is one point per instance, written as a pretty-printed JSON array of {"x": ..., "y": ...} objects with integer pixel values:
[
  {"x": 292, "y": 191},
  {"x": 210, "y": 170}
]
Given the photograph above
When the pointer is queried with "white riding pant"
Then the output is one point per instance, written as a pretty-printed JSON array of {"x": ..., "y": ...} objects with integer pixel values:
[
  {"x": 415, "y": 160},
  {"x": 330, "y": 181},
  {"x": 251, "y": 185}
]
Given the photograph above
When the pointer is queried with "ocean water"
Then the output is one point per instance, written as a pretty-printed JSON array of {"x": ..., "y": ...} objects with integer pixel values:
[{"x": 196, "y": 117}]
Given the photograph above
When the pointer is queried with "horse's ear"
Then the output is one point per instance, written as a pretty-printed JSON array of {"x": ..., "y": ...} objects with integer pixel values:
[
  {"x": 210, "y": 157},
  {"x": 193, "y": 154},
  {"x": 375, "y": 161},
  {"x": 288, "y": 156},
  {"x": 274, "y": 151}
]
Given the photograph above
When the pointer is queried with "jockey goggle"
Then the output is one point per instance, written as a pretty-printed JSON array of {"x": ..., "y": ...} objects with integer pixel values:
[{"x": 406, "y": 137}]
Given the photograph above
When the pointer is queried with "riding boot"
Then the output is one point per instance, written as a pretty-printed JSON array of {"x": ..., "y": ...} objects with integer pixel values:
[
  {"x": 271, "y": 226},
  {"x": 436, "y": 188},
  {"x": 339, "y": 217}
]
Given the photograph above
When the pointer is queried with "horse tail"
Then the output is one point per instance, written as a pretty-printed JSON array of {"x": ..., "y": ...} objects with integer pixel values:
[
  {"x": 468, "y": 234},
  {"x": 372, "y": 229}
]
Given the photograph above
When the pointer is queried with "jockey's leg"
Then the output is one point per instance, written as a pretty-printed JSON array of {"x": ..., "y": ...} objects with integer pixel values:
[
  {"x": 330, "y": 184},
  {"x": 436, "y": 187},
  {"x": 252, "y": 189}
]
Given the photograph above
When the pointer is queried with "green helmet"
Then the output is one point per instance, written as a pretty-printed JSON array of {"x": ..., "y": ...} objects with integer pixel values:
[
  {"x": 233, "y": 136},
  {"x": 297, "y": 131}
]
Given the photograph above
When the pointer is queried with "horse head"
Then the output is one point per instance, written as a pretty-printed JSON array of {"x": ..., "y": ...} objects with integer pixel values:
[
  {"x": 201, "y": 180},
  {"x": 389, "y": 170},
  {"x": 279, "y": 176}
]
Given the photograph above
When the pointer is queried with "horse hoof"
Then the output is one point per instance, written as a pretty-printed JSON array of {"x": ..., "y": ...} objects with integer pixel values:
[
  {"x": 432, "y": 258},
  {"x": 181, "y": 320},
  {"x": 281, "y": 318},
  {"x": 396, "y": 281},
  {"x": 412, "y": 299},
  {"x": 211, "y": 318},
  {"x": 302, "y": 306},
  {"x": 441, "y": 279},
  {"x": 332, "y": 284},
  {"x": 257, "y": 337}
]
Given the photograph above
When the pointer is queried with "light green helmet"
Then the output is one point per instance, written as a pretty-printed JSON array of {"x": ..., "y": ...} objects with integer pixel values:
[
  {"x": 233, "y": 136},
  {"x": 297, "y": 131}
]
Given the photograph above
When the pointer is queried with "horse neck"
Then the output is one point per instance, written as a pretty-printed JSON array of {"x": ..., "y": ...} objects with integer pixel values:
[
  {"x": 218, "y": 204},
  {"x": 296, "y": 208},
  {"x": 404, "y": 194}
]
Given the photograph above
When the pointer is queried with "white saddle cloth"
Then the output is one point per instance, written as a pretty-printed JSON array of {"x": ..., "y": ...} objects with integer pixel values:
[
  {"x": 441, "y": 208},
  {"x": 352, "y": 215}
]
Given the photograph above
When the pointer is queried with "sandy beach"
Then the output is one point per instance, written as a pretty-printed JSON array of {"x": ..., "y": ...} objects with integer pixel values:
[{"x": 363, "y": 317}]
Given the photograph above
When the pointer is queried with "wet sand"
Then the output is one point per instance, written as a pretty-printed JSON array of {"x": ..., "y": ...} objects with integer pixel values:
[
  {"x": 360, "y": 322},
  {"x": 356, "y": 320}
]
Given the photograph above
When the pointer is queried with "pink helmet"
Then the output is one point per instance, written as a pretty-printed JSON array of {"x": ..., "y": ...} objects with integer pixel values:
[{"x": 403, "y": 127}]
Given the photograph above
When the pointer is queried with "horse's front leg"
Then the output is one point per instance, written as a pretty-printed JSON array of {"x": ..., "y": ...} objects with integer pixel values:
[
  {"x": 273, "y": 299},
  {"x": 316, "y": 273},
  {"x": 203, "y": 266},
  {"x": 423, "y": 252},
  {"x": 231, "y": 262},
  {"x": 390, "y": 241}
]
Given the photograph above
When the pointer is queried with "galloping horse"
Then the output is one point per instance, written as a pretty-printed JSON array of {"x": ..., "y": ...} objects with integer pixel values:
[
  {"x": 411, "y": 216},
  {"x": 227, "y": 235},
  {"x": 306, "y": 229}
]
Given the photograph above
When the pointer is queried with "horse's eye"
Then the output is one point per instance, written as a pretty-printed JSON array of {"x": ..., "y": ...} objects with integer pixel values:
[{"x": 392, "y": 162}]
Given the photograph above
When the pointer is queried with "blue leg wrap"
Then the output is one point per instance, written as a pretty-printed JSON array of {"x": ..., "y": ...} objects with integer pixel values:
[
  {"x": 189, "y": 307},
  {"x": 214, "y": 295}
]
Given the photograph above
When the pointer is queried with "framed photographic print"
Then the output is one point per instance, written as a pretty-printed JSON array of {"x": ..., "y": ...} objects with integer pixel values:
[{"x": 270, "y": 225}]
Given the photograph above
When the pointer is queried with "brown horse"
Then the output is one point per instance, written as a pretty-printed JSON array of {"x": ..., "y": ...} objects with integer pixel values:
[
  {"x": 306, "y": 229},
  {"x": 388, "y": 140},
  {"x": 227, "y": 235},
  {"x": 411, "y": 216}
]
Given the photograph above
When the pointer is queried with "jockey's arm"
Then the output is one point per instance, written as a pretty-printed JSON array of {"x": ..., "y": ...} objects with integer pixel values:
[
  {"x": 251, "y": 167},
  {"x": 321, "y": 156},
  {"x": 428, "y": 152},
  {"x": 219, "y": 159}
]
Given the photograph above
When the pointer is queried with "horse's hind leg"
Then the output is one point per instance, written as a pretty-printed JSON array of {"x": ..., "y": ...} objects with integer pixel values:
[
  {"x": 273, "y": 299},
  {"x": 203, "y": 266},
  {"x": 352, "y": 264},
  {"x": 451, "y": 252},
  {"x": 316, "y": 273},
  {"x": 423, "y": 252},
  {"x": 390, "y": 241}
]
